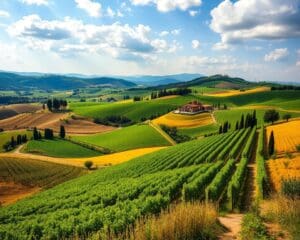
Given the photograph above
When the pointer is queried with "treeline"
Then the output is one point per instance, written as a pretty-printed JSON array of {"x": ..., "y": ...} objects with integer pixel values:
[
  {"x": 285, "y": 87},
  {"x": 173, "y": 133},
  {"x": 249, "y": 121},
  {"x": 48, "y": 133},
  {"x": 15, "y": 100},
  {"x": 56, "y": 104},
  {"x": 114, "y": 120},
  {"x": 165, "y": 92},
  {"x": 13, "y": 143}
]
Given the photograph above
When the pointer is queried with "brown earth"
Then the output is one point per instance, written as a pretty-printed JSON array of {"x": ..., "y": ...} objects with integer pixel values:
[
  {"x": 233, "y": 224},
  {"x": 11, "y": 192},
  {"x": 15, "y": 109}
]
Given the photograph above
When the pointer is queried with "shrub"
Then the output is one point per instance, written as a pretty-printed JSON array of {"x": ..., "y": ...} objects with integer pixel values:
[
  {"x": 291, "y": 188},
  {"x": 88, "y": 164},
  {"x": 253, "y": 228}
]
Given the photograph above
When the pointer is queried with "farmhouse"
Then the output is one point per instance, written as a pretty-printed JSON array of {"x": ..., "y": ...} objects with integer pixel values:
[{"x": 194, "y": 107}]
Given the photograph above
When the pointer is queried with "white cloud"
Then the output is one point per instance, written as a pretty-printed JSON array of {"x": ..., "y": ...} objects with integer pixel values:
[
  {"x": 163, "y": 33},
  {"x": 298, "y": 51},
  {"x": 298, "y": 63},
  {"x": 92, "y": 8},
  {"x": 195, "y": 44},
  {"x": 35, "y": 2},
  {"x": 119, "y": 41},
  {"x": 193, "y": 13},
  {"x": 4, "y": 14},
  {"x": 277, "y": 55},
  {"x": 256, "y": 19},
  {"x": 176, "y": 31},
  {"x": 220, "y": 46},
  {"x": 110, "y": 12},
  {"x": 169, "y": 5}
]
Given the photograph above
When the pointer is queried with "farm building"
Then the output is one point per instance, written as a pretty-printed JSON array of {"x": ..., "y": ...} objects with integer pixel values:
[{"x": 194, "y": 107}]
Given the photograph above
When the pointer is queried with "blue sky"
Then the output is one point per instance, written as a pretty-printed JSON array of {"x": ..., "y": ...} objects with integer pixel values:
[{"x": 254, "y": 39}]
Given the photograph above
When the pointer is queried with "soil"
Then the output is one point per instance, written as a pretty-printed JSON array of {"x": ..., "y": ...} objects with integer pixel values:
[
  {"x": 233, "y": 224},
  {"x": 11, "y": 192}
]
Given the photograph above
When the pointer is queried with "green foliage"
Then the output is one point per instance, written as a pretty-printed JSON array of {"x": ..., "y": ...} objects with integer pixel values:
[
  {"x": 88, "y": 164},
  {"x": 271, "y": 144},
  {"x": 62, "y": 132},
  {"x": 173, "y": 133},
  {"x": 271, "y": 116},
  {"x": 137, "y": 136},
  {"x": 286, "y": 116},
  {"x": 253, "y": 228},
  {"x": 291, "y": 188},
  {"x": 215, "y": 189},
  {"x": 59, "y": 148}
]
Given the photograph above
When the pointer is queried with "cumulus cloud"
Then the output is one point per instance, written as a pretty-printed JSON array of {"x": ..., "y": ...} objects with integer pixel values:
[
  {"x": 193, "y": 13},
  {"x": 92, "y": 8},
  {"x": 176, "y": 31},
  {"x": 73, "y": 35},
  {"x": 163, "y": 33},
  {"x": 277, "y": 55},
  {"x": 35, "y": 2},
  {"x": 4, "y": 14},
  {"x": 256, "y": 19},
  {"x": 169, "y": 5},
  {"x": 195, "y": 44},
  {"x": 111, "y": 13}
]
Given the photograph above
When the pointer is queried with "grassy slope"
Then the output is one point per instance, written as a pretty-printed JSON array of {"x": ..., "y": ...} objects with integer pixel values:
[
  {"x": 137, "y": 136},
  {"x": 59, "y": 148},
  {"x": 6, "y": 136},
  {"x": 199, "y": 131}
]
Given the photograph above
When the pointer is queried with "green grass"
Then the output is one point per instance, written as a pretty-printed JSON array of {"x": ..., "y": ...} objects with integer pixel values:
[
  {"x": 137, "y": 136},
  {"x": 6, "y": 136},
  {"x": 59, "y": 148},
  {"x": 199, "y": 131}
]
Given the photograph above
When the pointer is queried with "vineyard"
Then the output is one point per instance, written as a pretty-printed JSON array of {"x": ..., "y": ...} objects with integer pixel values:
[
  {"x": 36, "y": 173},
  {"x": 114, "y": 198}
]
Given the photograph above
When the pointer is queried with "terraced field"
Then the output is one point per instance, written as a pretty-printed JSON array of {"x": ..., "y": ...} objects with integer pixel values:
[
  {"x": 184, "y": 121},
  {"x": 59, "y": 148},
  {"x": 287, "y": 137},
  {"x": 136, "y": 136},
  {"x": 120, "y": 194}
]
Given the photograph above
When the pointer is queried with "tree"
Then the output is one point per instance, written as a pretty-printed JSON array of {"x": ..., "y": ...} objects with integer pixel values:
[
  {"x": 48, "y": 133},
  {"x": 19, "y": 139},
  {"x": 286, "y": 116},
  {"x": 56, "y": 104},
  {"x": 271, "y": 116},
  {"x": 35, "y": 134},
  {"x": 88, "y": 164},
  {"x": 13, "y": 142},
  {"x": 62, "y": 132},
  {"x": 44, "y": 106},
  {"x": 271, "y": 146},
  {"x": 242, "y": 122},
  {"x": 6, "y": 146},
  {"x": 24, "y": 138},
  {"x": 49, "y": 104},
  {"x": 237, "y": 125},
  {"x": 220, "y": 129}
]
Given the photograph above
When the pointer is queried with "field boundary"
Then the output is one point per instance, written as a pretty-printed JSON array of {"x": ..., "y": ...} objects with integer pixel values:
[{"x": 162, "y": 133}]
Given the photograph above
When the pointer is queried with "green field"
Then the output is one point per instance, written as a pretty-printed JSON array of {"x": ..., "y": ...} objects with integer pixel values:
[
  {"x": 36, "y": 173},
  {"x": 6, "y": 136},
  {"x": 115, "y": 197},
  {"x": 59, "y": 148},
  {"x": 199, "y": 131},
  {"x": 136, "y": 136}
]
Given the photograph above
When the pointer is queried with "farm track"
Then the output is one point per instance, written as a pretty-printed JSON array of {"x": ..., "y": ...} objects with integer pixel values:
[
  {"x": 162, "y": 133},
  {"x": 232, "y": 222}
]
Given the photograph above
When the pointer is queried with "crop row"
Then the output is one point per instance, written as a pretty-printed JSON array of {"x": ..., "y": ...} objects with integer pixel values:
[
  {"x": 238, "y": 178},
  {"x": 261, "y": 176}
]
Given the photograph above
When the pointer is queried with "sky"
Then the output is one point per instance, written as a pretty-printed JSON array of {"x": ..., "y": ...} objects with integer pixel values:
[{"x": 258, "y": 40}]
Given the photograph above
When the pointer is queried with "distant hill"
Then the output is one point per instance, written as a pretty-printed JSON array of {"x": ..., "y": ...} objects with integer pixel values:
[
  {"x": 216, "y": 81},
  {"x": 14, "y": 81},
  {"x": 150, "y": 80}
]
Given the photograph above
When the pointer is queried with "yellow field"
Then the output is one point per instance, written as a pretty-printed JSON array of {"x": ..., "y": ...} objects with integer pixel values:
[
  {"x": 287, "y": 136},
  {"x": 228, "y": 93},
  {"x": 184, "y": 121},
  {"x": 100, "y": 161},
  {"x": 283, "y": 169}
]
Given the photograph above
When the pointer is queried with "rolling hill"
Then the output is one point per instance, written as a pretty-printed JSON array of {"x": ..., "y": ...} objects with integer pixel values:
[{"x": 13, "y": 81}]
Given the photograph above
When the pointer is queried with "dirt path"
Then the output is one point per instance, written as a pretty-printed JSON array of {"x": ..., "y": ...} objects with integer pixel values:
[
  {"x": 233, "y": 223},
  {"x": 213, "y": 118},
  {"x": 161, "y": 132}
]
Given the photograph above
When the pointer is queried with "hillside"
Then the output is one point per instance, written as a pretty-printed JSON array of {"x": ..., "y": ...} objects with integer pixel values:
[{"x": 13, "y": 81}]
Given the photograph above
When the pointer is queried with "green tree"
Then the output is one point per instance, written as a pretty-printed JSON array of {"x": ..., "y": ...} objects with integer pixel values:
[
  {"x": 56, "y": 104},
  {"x": 62, "y": 132},
  {"x": 13, "y": 142},
  {"x": 286, "y": 116},
  {"x": 271, "y": 145},
  {"x": 35, "y": 134},
  {"x": 88, "y": 164},
  {"x": 48, "y": 133},
  {"x": 271, "y": 116},
  {"x": 49, "y": 105}
]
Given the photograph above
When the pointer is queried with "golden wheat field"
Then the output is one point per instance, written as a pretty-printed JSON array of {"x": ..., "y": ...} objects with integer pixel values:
[
  {"x": 184, "y": 121},
  {"x": 287, "y": 136},
  {"x": 283, "y": 169},
  {"x": 228, "y": 93}
]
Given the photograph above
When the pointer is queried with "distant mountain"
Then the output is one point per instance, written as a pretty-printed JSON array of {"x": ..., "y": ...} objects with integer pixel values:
[
  {"x": 150, "y": 80},
  {"x": 216, "y": 81},
  {"x": 14, "y": 81}
]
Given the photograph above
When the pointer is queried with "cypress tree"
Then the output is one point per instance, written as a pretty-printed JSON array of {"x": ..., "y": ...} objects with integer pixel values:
[
  {"x": 35, "y": 134},
  {"x": 242, "y": 122},
  {"x": 19, "y": 139},
  {"x": 220, "y": 130},
  {"x": 62, "y": 132},
  {"x": 12, "y": 142},
  {"x": 49, "y": 104},
  {"x": 271, "y": 146},
  {"x": 237, "y": 125}
]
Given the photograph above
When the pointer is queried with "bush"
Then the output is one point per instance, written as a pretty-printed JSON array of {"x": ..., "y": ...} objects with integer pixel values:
[
  {"x": 291, "y": 188},
  {"x": 253, "y": 228},
  {"x": 88, "y": 164}
]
